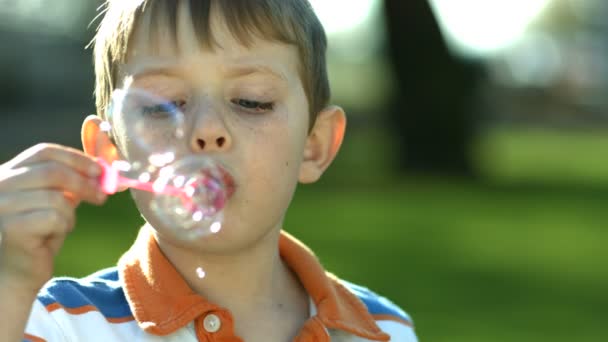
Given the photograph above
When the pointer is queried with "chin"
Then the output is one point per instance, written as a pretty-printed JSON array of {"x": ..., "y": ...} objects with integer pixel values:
[{"x": 228, "y": 240}]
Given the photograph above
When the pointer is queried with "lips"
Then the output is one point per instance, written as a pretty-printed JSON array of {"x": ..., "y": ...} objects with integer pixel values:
[{"x": 228, "y": 182}]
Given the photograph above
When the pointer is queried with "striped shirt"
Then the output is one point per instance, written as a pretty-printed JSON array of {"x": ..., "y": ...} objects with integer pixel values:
[{"x": 145, "y": 299}]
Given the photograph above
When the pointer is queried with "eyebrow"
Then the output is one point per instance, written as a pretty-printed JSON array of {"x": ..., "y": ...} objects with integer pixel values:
[
  {"x": 231, "y": 71},
  {"x": 155, "y": 71},
  {"x": 249, "y": 69}
]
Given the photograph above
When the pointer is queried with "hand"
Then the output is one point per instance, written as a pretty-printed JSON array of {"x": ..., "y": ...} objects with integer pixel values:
[{"x": 39, "y": 191}]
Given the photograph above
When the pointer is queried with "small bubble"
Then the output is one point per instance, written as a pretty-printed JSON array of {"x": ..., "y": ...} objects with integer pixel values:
[
  {"x": 166, "y": 172},
  {"x": 121, "y": 165},
  {"x": 215, "y": 227},
  {"x": 200, "y": 272},
  {"x": 145, "y": 177},
  {"x": 162, "y": 159},
  {"x": 159, "y": 185},
  {"x": 189, "y": 191},
  {"x": 179, "y": 181},
  {"x": 105, "y": 126},
  {"x": 198, "y": 216}
]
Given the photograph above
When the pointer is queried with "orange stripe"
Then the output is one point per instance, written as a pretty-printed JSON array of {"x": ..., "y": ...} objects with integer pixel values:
[
  {"x": 120, "y": 319},
  {"x": 53, "y": 307},
  {"x": 393, "y": 318},
  {"x": 32, "y": 338},
  {"x": 84, "y": 309}
]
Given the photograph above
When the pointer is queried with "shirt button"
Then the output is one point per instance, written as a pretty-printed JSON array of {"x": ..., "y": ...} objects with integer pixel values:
[{"x": 212, "y": 323}]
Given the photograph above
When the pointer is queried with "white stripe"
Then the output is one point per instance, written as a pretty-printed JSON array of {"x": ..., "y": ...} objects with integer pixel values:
[
  {"x": 399, "y": 332},
  {"x": 92, "y": 327}
]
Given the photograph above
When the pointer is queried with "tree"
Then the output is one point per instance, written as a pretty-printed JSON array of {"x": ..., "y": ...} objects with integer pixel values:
[{"x": 431, "y": 112}]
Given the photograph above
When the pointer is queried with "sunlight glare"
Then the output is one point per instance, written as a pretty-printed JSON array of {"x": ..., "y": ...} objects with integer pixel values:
[
  {"x": 482, "y": 27},
  {"x": 342, "y": 15}
]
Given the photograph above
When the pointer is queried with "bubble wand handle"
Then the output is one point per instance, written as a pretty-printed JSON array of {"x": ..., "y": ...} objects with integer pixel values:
[{"x": 110, "y": 180}]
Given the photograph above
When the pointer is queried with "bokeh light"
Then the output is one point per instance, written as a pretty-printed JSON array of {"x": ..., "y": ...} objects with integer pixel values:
[
  {"x": 342, "y": 15},
  {"x": 480, "y": 27}
]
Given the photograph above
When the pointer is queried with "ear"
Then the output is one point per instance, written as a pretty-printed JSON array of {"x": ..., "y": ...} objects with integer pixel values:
[
  {"x": 95, "y": 141},
  {"x": 323, "y": 143}
]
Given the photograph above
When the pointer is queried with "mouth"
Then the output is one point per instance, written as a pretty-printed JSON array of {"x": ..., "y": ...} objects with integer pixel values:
[{"x": 228, "y": 181}]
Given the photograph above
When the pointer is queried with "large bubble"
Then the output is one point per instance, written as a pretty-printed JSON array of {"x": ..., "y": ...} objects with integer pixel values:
[
  {"x": 154, "y": 125},
  {"x": 189, "y": 189}
]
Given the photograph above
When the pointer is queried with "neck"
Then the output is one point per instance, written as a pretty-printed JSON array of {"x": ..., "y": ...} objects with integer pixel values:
[{"x": 246, "y": 282}]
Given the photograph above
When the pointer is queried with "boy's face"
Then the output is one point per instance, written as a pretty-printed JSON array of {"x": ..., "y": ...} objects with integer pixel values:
[{"x": 244, "y": 107}]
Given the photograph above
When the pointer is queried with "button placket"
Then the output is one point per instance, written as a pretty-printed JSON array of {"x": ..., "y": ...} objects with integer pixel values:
[{"x": 216, "y": 325}]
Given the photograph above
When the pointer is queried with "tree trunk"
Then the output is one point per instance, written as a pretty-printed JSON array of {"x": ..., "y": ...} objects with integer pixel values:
[{"x": 431, "y": 112}]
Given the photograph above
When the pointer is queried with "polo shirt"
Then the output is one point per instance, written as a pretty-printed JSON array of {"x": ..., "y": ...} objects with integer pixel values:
[{"x": 145, "y": 299}]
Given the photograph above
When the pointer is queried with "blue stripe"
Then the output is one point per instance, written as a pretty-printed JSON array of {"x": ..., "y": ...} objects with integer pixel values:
[
  {"x": 376, "y": 304},
  {"x": 101, "y": 290}
]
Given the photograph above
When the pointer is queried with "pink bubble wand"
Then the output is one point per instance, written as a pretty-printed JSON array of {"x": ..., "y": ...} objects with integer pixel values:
[{"x": 111, "y": 180}]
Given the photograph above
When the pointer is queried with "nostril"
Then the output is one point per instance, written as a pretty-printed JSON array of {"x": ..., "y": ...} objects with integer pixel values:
[
  {"x": 220, "y": 141},
  {"x": 201, "y": 143}
]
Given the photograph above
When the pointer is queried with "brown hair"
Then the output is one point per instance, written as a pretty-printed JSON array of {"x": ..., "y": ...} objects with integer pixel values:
[{"x": 288, "y": 21}]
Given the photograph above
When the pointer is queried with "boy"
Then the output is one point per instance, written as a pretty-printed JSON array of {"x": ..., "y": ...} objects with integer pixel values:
[{"x": 251, "y": 78}]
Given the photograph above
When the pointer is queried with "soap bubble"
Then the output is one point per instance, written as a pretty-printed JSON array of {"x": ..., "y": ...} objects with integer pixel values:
[
  {"x": 189, "y": 191},
  {"x": 191, "y": 194},
  {"x": 153, "y": 124}
]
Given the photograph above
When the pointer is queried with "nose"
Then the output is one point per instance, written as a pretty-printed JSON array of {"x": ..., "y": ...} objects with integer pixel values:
[{"x": 210, "y": 133}]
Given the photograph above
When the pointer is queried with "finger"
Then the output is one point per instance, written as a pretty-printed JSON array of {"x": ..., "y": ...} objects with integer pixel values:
[
  {"x": 68, "y": 156},
  {"x": 53, "y": 175},
  {"x": 74, "y": 201},
  {"x": 32, "y": 200},
  {"x": 39, "y": 234},
  {"x": 55, "y": 242},
  {"x": 32, "y": 228}
]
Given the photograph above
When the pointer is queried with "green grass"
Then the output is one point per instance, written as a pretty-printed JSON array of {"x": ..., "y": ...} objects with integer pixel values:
[{"x": 517, "y": 256}]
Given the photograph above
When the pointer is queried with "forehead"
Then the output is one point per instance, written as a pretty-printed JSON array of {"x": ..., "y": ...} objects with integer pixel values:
[{"x": 162, "y": 41}]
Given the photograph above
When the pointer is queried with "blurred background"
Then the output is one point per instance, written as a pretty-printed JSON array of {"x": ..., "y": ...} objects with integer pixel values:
[{"x": 472, "y": 185}]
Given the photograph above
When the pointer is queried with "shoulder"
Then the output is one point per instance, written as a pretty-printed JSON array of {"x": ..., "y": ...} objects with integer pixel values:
[
  {"x": 90, "y": 308},
  {"x": 101, "y": 292},
  {"x": 390, "y": 318}
]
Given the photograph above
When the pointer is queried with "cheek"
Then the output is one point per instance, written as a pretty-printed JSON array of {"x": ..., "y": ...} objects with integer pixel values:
[
  {"x": 127, "y": 145},
  {"x": 274, "y": 154}
]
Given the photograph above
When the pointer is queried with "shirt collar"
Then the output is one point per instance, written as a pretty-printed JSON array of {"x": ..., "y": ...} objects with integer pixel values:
[{"x": 162, "y": 302}]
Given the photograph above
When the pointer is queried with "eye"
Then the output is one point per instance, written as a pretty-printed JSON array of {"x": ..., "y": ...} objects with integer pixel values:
[
  {"x": 253, "y": 106},
  {"x": 163, "y": 110}
]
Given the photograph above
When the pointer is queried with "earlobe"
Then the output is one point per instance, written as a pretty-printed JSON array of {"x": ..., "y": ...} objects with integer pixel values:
[
  {"x": 95, "y": 141},
  {"x": 323, "y": 143}
]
